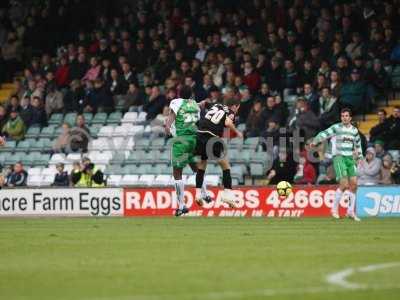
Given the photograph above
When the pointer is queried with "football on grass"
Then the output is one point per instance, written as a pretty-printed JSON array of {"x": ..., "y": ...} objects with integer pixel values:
[{"x": 284, "y": 189}]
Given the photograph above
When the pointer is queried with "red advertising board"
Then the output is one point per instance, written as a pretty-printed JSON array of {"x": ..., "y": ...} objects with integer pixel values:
[{"x": 251, "y": 202}]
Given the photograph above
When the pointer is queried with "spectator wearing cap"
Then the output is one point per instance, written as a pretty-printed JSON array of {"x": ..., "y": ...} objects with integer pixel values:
[
  {"x": 15, "y": 128},
  {"x": 61, "y": 178},
  {"x": 353, "y": 93},
  {"x": 369, "y": 168}
]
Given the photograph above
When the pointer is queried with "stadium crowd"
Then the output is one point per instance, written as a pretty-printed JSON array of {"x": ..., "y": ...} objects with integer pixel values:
[{"x": 293, "y": 64}]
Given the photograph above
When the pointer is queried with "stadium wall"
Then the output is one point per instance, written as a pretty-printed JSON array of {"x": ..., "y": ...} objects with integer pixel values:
[{"x": 305, "y": 201}]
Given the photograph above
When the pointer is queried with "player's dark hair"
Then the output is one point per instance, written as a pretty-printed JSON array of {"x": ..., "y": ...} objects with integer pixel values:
[
  {"x": 346, "y": 109},
  {"x": 231, "y": 102},
  {"x": 186, "y": 92}
]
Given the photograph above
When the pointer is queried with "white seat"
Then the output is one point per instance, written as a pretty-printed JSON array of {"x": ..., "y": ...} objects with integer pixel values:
[
  {"x": 163, "y": 180},
  {"x": 73, "y": 157},
  {"x": 35, "y": 180},
  {"x": 142, "y": 116},
  {"x": 106, "y": 131},
  {"x": 147, "y": 129},
  {"x": 98, "y": 157},
  {"x": 129, "y": 180},
  {"x": 212, "y": 180},
  {"x": 114, "y": 180},
  {"x": 135, "y": 130},
  {"x": 121, "y": 131},
  {"x": 100, "y": 144},
  {"x": 49, "y": 171},
  {"x": 130, "y": 117},
  {"x": 47, "y": 180},
  {"x": 57, "y": 158},
  {"x": 146, "y": 179},
  {"x": 35, "y": 171},
  {"x": 120, "y": 143}
]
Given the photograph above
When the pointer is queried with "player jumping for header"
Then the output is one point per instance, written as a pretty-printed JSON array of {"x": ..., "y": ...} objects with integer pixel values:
[
  {"x": 209, "y": 144},
  {"x": 182, "y": 119},
  {"x": 347, "y": 145}
]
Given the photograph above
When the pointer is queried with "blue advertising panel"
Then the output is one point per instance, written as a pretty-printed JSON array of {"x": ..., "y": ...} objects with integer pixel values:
[{"x": 380, "y": 201}]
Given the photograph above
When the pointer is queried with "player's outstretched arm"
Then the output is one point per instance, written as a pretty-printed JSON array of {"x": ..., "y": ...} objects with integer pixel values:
[
  {"x": 323, "y": 135},
  {"x": 229, "y": 124}
]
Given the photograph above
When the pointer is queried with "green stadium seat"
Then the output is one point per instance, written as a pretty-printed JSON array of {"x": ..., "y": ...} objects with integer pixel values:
[
  {"x": 40, "y": 159},
  {"x": 25, "y": 145},
  {"x": 235, "y": 143},
  {"x": 114, "y": 118},
  {"x": 3, "y": 157},
  {"x": 251, "y": 143},
  {"x": 213, "y": 169},
  {"x": 142, "y": 144},
  {"x": 94, "y": 130},
  {"x": 237, "y": 172},
  {"x": 118, "y": 158},
  {"x": 161, "y": 168},
  {"x": 70, "y": 118},
  {"x": 33, "y": 132},
  {"x": 157, "y": 143},
  {"x": 113, "y": 169},
  {"x": 99, "y": 118},
  {"x": 14, "y": 158},
  {"x": 47, "y": 132},
  {"x": 28, "y": 159},
  {"x": 143, "y": 169},
  {"x": 9, "y": 146},
  {"x": 56, "y": 119},
  {"x": 136, "y": 157},
  {"x": 88, "y": 118},
  {"x": 128, "y": 169},
  {"x": 43, "y": 144},
  {"x": 257, "y": 169},
  {"x": 120, "y": 100}
]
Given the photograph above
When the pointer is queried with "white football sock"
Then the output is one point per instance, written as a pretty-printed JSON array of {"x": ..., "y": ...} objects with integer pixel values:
[
  {"x": 180, "y": 192},
  {"x": 203, "y": 191},
  {"x": 336, "y": 201},
  {"x": 352, "y": 204}
]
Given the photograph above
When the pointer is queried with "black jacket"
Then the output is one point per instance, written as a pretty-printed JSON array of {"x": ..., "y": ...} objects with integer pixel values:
[
  {"x": 18, "y": 179},
  {"x": 61, "y": 179}
]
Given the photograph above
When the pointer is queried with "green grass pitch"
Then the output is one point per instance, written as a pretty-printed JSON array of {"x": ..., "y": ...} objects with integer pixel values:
[{"x": 196, "y": 258}]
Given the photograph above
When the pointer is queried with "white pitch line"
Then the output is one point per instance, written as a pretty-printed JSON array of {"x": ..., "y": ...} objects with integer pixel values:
[{"x": 340, "y": 278}]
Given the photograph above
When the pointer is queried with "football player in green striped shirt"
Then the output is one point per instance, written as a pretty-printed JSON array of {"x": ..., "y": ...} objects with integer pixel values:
[
  {"x": 346, "y": 144},
  {"x": 181, "y": 123}
]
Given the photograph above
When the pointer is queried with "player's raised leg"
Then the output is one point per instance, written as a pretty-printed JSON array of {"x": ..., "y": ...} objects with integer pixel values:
[
  {"x": 201, "y": 189},
  {"x": 227, "y": 196}
]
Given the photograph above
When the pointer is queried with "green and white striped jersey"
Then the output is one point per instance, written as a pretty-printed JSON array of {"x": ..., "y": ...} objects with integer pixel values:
[{"x": 346, "y": 139}]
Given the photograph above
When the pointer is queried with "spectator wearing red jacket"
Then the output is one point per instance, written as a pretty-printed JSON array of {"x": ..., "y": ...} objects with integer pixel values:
[
  {"x": 306, "y": 173},
  {"x": 251, "y": 78},
  {"x": 62, "y": 74}
]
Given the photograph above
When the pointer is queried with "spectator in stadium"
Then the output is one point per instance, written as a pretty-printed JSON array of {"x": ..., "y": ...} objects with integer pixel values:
[
  {"x": 306, "y": 173},
  {"x": 312, "y": 99},
  {"x": 378, "y": 78},
  {"x": 10, "y": 51},
  {"x": 134, "y": 99},
  {"x": 329, "y": 109},
  {"x": 394, "y": 130},
  {"x": 304, "y": 120},
  {"x": 80, "y": 136},
  {"x": 18, "y": 177},
  {"x": 15, "y": 128},
  {"x": 62, "y": 143},
  {"x": 38, "y": 113},
  {"x": 74, "y": 96},
  {"x": 385, "y": 172},
  {"x": 87, "y": 175},
  {"x": 93, "y": 72},
  {"x": 283, "y": 168},
  {"x": 380, "y": 130},
  {"x": 255, "y": 121},
  {"x": 156, "y": 103},
  {"x": 335, "y": 83},
  {"x": 101, "y": 98},
  {"x": 61, "y": 178},
  {"x": 54, "y": 102},
  {"x": 62, "y": 74},
  {"x": 25, "y": 111},
  {"x": 115, "y": 84},
  {"x": 13, "y": 104},
  {"x": 353, "y": 93},
  {"x": 379, "y": 147},
  {"x": 369, "y": 168}
]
